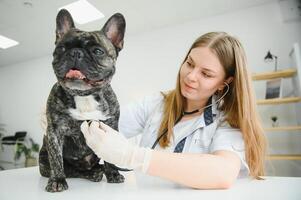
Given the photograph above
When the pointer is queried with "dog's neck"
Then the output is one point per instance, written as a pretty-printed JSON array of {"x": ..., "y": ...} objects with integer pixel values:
[{"x": 87, "y": 108}]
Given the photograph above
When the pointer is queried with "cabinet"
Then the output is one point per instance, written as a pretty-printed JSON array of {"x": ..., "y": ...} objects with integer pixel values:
[{"x": 293, "y": 73}]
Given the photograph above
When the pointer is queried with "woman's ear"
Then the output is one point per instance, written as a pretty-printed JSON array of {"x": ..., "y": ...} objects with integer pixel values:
[{"x": 228, "y": 81}]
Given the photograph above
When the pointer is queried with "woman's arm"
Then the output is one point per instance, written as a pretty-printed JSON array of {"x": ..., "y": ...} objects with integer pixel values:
[
  {"x": 202, "y": 171},
  {"x": 134, "y": 116}
]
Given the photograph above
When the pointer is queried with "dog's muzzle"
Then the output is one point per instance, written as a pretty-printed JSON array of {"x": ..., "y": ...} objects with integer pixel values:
[{"x": 75, "y": 75}]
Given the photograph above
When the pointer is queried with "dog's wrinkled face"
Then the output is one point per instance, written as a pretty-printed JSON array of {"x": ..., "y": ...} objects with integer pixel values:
[{"x": 85, "y": 61}]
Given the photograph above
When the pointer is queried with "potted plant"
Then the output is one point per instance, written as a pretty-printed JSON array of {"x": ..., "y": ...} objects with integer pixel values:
[
  {"x": 27, "y": 149},
  {"x": 274, "y": 121}
]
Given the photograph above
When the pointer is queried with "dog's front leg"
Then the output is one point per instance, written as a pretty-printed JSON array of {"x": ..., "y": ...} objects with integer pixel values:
[
  {"x": 57, "y": 180},
  {"x": 111, "y": 172}
]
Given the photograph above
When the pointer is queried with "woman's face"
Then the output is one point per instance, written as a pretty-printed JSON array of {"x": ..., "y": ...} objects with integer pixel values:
[{"x": 201, "y": 75}]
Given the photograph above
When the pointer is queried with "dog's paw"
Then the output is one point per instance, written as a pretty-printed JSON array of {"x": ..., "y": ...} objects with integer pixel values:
[
  {"x": 115, "y": 178},
  {"x": 56, "y": 185},
  {"x": 95, "y": 176}
]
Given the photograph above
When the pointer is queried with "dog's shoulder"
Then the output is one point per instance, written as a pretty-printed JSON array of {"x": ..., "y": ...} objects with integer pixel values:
[{"x": 59, "y": 97}]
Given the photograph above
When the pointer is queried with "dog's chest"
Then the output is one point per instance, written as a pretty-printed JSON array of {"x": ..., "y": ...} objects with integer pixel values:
[{"x": 87, "y": 108}]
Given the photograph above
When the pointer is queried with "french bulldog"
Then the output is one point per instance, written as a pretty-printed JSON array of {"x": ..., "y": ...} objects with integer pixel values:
[{"x": 84, "y": 63}]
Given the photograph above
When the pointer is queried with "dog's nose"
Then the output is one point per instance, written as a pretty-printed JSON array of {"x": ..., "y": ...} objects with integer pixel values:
[{"x": 76, "y": 53}]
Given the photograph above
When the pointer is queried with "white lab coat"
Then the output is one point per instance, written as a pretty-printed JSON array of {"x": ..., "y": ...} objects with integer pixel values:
[{"x": 144, "y": 118}]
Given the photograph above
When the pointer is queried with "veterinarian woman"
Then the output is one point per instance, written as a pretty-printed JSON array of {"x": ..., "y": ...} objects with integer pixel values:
[{"x": 205, "y": 133}]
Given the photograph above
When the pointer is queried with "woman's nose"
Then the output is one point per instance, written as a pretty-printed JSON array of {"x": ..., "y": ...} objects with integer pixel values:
[{"x": 193, "y": 75}]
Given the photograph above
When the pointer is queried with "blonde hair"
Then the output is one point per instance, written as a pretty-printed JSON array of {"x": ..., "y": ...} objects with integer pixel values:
[{"x": 238, "y": 105}]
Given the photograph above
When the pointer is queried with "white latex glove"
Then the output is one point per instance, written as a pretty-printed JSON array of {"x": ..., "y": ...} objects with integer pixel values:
[{"x": 114, "y": 148}]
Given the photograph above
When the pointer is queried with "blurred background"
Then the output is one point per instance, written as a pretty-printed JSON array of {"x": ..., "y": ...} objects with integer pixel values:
[{"x": 158, "y": 35}]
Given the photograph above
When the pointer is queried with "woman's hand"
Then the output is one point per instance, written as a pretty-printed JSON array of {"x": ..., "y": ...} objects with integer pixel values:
[{"x": 114, "y": 148}]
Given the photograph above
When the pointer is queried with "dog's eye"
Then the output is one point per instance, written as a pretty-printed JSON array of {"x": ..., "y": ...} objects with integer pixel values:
[
  {"x": 61, "y": 49},
  {"x": 98, "y": 52}
]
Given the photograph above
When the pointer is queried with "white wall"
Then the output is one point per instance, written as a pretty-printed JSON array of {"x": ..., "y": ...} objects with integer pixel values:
[{"x": 150, "y": 61}]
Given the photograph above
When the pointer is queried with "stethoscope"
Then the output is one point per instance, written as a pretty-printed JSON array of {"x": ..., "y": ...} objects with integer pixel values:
[{"x": 190, "y": 113}]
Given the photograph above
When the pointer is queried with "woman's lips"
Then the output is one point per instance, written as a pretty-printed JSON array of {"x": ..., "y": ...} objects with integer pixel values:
[{"x": 189, "y": 87}]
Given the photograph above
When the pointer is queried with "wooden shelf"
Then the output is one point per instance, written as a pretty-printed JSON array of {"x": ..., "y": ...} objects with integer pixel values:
[
  {"x": 287, "y": 73},
  {"x": 284, "y": 157},
  {"x": 284, "y": 128},
  {"x": 279, "y": 100},
  {"x": 271, "y": 75}
]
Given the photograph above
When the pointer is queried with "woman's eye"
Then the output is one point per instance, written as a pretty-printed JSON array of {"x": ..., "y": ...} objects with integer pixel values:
[
  {"x": 98, "y": 52},
  {"x": 189, "y": 64},
  {"x": 206, "y": 75}
]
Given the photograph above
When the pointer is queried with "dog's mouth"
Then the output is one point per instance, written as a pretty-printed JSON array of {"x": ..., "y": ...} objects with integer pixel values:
[{"x": 74, "y": 75}]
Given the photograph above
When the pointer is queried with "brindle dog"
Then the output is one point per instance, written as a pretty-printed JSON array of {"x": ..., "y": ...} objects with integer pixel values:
[{"x": 84, "y": 63}]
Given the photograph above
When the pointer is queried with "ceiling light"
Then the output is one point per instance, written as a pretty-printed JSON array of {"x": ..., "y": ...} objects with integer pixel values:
[
  {"x": 6, "y": 42},
  {"x": 83, "y": 12}
]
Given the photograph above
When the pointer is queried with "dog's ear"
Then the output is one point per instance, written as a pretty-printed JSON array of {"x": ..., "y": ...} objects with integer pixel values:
[
  {"x": 114, "y": 30},
  {"x": 64, "y": 23}
]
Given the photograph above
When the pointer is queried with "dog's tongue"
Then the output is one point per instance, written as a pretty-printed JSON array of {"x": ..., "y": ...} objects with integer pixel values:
[{"x": 74, "y": 74}]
